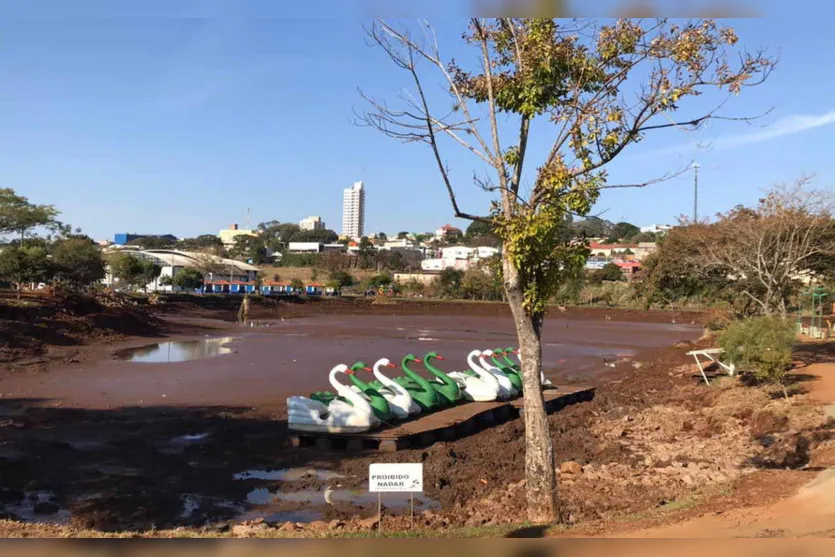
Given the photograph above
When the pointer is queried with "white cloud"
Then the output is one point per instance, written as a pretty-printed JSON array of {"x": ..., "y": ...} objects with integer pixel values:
[{"x": 789, "y": 125}]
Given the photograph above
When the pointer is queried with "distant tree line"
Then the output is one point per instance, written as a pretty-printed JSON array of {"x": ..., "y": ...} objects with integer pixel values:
[{"x": 62, "y": 256}]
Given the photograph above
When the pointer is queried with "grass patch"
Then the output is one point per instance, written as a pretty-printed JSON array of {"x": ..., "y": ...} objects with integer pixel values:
[{"x": 681, "y": 505}]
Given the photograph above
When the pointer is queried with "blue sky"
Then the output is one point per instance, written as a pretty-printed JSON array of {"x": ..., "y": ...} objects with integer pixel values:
[{"x": 148, "y": 118}]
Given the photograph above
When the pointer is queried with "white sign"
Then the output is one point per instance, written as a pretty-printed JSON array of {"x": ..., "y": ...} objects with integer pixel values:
[{"x": 395, "y": 477}]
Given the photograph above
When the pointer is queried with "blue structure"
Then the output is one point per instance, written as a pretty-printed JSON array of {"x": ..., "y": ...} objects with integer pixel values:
[
  {"x": 226, "y": 287},
  {"x": 123, "y": 238},
  {"x": 272, "y": 288},
  {"x": 315, "y": 289}
]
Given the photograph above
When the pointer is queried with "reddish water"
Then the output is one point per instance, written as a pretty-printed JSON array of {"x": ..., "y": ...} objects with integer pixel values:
[{"x": 294, "y": 357}]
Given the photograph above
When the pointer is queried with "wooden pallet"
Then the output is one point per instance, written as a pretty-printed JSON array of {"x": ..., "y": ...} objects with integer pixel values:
[
  {"x": 445, "y": 425},
  {"x": 558, "y": 397}
]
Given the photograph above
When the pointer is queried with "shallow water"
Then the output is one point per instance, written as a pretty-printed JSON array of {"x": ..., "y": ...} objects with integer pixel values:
[
  {"x": 289, "y": 474},
  {"x": 39, "y": 506},
  {"x": 359, "y": 496},
  {"x": 294, "y": 358},
  {"x": 265, "y": 502},
  {"x": 177, "y": 351}
]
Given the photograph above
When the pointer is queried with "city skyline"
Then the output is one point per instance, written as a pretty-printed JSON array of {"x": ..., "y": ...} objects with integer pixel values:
[{"x": 177, "y": 109}]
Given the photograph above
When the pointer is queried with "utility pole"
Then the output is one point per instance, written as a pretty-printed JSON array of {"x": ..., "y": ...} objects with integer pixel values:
[{"x": 696, "y": 192}]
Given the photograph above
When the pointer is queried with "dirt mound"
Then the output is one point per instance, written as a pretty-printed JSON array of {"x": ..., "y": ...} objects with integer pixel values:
[{"x": 34, "y": 329}]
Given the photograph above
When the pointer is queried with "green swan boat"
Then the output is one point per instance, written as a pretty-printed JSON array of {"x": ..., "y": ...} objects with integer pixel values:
[
  {"x": 546, "y": 383},
  {"x": 448, "y": 390},
  {"x": 421, "y": 390},
  {"x": 513, "y": 365},
  {"x": 506, "y": 366},
  {"x": 378, "y": 403}
]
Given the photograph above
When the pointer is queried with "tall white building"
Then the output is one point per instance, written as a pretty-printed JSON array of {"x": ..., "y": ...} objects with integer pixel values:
[
  {"x": 353, "y": 211},
  {"x": 312, "y": 223}
]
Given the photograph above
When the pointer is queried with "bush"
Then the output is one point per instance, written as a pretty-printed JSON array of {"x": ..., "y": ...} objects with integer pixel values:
[
  {"x": 761, "y": 347},
  {"x": 78, "y": 262},
  {"x": 341, "y": 279},
  {"x": 376, "y": 281},
  {"x": 188, "y": 278},
  {"x": 609, "y": 273}
]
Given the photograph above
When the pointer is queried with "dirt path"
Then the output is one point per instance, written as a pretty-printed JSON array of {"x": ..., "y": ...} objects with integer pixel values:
[{"x": 810, "y": 512}]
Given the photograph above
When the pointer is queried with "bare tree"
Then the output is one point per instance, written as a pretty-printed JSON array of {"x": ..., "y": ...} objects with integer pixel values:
[
  {"x": 769, "y": 250},
  {"x": 600, "y": 88}
]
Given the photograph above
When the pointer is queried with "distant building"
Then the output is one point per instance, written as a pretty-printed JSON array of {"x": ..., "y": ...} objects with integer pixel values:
[
  {"x": 216, "y": 269},
  {"x": 229, "y": 235},
  {"x": 644, "y": 249},
  {"x": 353, "y": 211},
  {"x": 610, "y": 250},
  {"x": 335, "y": 247},
  {"x": 433, "y": 265},
  {"x": 484, "y": 252},
  {"x": 622, "y": 251},
  {"x": 629, "y": 268},
  {"x": 657, "y": 228},
  {"x": 458, "y": 257},
  {"x": 304, "y": 247},
  {"x": 394, "y": 244},
  {"x": 312, "y": 223},
  {"x": 594, "y": 263},
  {"x": 123, "y": 238},
  {"x": 446, "y": 230}
]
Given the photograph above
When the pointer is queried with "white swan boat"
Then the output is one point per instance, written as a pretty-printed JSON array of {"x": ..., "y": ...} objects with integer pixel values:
[
  {"x": 483, "y": 387},
  {"x": 506, "y": 388},
  {"x": 399, "y": 399},
  {"x": 305, "y": 414}
]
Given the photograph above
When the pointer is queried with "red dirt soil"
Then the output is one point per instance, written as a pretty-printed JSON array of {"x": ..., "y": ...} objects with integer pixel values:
[{"x": 116, "y": 465}]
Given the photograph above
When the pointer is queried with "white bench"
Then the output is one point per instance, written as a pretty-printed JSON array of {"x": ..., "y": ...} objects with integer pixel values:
[{"x": 711, "y": 355}]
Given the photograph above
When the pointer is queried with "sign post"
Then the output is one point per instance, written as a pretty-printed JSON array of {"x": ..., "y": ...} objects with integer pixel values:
[{"x": 401, "y": 478}]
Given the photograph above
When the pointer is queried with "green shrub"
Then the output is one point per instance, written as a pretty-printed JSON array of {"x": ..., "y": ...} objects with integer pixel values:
[
  {"x": 761, "y": 347},
  {"x": 341, "y": 279}
]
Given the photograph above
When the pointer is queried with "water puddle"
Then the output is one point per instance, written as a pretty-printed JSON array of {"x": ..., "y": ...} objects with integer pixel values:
[
  {"x": 116, "y": 470},
  {"x": 358, "y": 497},
  {"x": 39, "y": 506},
  {"x": 190, "y": 504},
  {"x": 289, "y": 474},
  {"x": 265, "y": 503},
  {"x": 192, "y": 438},
  {"x": 177, "y": 351},
  {"x": 193, "y": 502},
  {"x": 81, "y": 444}
]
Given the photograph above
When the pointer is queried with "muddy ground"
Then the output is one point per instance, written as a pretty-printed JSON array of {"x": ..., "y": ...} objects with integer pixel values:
[{"x": 655, "y": 436}]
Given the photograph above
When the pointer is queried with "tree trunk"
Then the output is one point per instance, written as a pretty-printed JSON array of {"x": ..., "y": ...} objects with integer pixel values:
[{"x": 541, "y": 479}]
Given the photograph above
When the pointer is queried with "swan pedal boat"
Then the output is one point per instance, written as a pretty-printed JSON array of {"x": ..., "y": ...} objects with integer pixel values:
[{"x": 308, "y": 415}]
